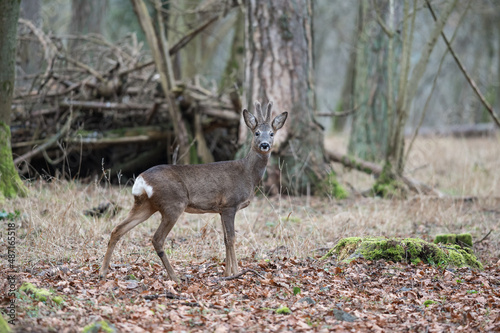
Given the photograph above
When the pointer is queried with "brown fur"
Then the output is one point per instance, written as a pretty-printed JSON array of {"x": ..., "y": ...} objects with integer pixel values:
[{"x": 221, "y": 187}]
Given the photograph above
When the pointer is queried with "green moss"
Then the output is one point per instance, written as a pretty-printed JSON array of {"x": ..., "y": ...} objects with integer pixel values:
[
  {"x": 58, "y": 300},
  {"x": 403, "y": 250},
  {"x": 132, "y": 277},
  {"x": 427, "y": 303},
  {"x": 343, "y": 248},
  {"x": 40, "y": 294},
  {"x": 331, "y": 187},
  {"x": 459, "y": 239},
  {"x": 387, "y": 186},
  {"x": 100, "y": 326},
  {"x": 4, "y": 326},
  {"x": 283, "y": 310},
  {"x": 10, "y": 183}
]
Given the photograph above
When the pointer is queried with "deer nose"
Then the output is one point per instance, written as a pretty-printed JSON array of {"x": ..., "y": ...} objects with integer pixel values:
[{"x": 264, "y": 146}]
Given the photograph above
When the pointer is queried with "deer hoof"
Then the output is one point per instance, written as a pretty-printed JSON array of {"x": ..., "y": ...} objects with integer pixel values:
[{"x": 102, "y": 275}]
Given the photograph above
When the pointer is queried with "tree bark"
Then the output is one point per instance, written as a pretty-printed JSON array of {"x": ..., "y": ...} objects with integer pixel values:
[
  {"x": 279, "y": 67},
  {"x": 10, "y": 183}
]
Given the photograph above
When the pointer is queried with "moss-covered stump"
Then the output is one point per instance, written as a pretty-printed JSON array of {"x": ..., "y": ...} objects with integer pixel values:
[
  {"x": 458, "y": 239},
  {"x": 412, "y": 250}
]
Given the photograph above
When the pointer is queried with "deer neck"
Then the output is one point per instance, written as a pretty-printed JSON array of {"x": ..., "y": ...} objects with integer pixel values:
[{"x": 256, "y": 165}]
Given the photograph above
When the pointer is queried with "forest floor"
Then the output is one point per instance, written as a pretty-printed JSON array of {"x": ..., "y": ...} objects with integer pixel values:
[{"x": 280, "y": 240}]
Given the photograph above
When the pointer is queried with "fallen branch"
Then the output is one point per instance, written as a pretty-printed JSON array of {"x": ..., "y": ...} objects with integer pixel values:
[
  {"x": 216, "y": 112},
  {"x": 105, "y": 142},
  {"x": 86, "y": 105},
  {"x": 49, "y": 143},
  {"x": 166, "y": 295},
  {"x": 376, "y": 170},
  {"x": 243, "y": 272},
  {"x": 465, "y": 130}
]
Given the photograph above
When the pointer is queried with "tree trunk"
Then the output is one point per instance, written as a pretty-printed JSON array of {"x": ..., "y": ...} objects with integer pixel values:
[
  {"x": 279, "y": 67},
  {"x": 234, "y": 72},
  {"x": 10, "y": 183},
  {"x": 29, "y": 51},
  {"x": 87, "y": 16},
  {"x": 373, "y": 81}
]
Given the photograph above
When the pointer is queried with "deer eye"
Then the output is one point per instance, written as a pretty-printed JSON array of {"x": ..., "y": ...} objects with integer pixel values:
[
  {"x": 257, "y": 133},
  {"x": 271, "y": 134}
]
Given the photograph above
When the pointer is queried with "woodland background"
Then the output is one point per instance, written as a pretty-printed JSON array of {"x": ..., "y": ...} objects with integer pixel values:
[{"x": 386, "y": 137}]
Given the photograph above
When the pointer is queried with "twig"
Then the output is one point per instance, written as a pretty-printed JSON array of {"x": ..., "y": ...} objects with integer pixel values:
[
  {"x": 388, "y": 32},
  {"x": 190, "y": 35},
  {"x": 472, "y": 83},
  {"x": 176, "y": 47},
  {"x": 243, "y": 272},
  {"x": 484, "y": 238},
  {"x": 89, "y": 69}
]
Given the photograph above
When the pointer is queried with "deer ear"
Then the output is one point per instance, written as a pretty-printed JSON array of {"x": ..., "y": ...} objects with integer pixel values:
[
  {"x": 249, "y": 119},
  {"x": 279, "y": 121}
]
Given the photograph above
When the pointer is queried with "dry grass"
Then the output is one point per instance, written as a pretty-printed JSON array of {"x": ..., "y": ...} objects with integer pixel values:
[
  {"x": 456, "y": 166},
  {"x": 54, "y": 228}
]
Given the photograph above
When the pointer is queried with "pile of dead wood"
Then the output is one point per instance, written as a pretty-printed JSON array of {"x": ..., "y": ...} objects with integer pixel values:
[{"x": 95, "y": 105}]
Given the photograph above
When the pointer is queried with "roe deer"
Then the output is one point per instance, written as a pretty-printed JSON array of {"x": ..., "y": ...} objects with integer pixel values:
[{"x": 220, "y": 187}]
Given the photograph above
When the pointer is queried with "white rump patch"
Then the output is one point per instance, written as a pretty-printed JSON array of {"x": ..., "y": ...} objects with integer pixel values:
[{"x": 140, "y": 186}]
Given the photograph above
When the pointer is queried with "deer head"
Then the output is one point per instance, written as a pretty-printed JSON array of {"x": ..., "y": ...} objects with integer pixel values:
[{"x": 262, "y": 128}]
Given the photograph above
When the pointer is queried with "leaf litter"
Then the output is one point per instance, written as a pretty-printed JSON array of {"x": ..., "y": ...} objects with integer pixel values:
[{"x": 284, "y": 294}]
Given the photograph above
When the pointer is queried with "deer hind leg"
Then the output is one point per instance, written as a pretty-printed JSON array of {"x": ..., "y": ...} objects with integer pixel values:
[
  {"x": 227, "y": 218},
  {"x": 169, "y": 218},
  {"x": 139, "y": 213}
]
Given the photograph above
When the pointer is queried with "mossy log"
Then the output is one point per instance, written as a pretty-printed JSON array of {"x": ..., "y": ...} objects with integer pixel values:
[{"x": 410, "y": 250}]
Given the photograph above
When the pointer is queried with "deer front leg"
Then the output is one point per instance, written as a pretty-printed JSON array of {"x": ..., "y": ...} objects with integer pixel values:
[
  {"x": 167, "y": 223},
  {"x": 227, "y": 218}
]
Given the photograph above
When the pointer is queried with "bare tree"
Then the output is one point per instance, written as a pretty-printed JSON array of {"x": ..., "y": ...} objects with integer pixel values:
[{"x": 393, "y": 79}]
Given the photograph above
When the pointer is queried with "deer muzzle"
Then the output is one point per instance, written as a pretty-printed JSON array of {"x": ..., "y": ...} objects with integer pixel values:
[{"x": 264, "y": 146}]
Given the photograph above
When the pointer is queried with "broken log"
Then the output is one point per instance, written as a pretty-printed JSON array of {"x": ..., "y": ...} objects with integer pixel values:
[
  {"x": 464, "y": 130},
  {"x": 375, "y": 169}
]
